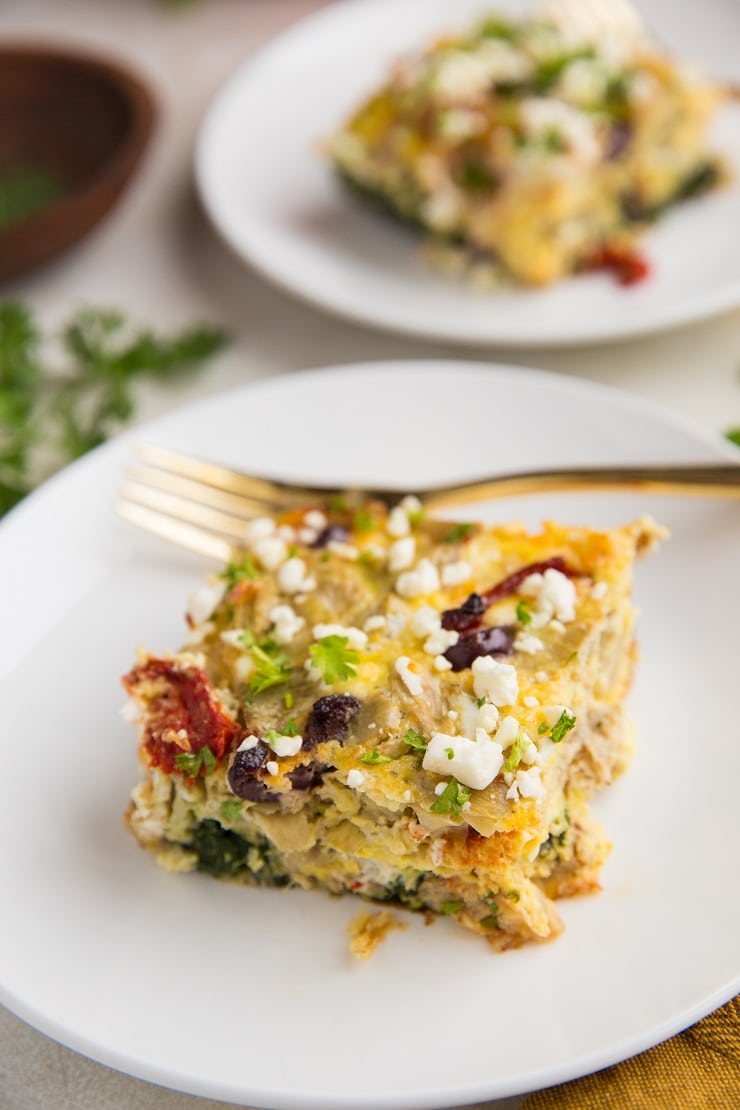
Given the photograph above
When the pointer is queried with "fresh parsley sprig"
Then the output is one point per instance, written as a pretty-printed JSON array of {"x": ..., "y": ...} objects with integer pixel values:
[
  {"x": 334, "y": 658},
  {"x": 452, "y": 799},
  {"x": 50, "y": 417}
]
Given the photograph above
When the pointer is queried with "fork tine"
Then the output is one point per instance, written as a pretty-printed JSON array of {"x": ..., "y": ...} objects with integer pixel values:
[
  {"x": 272, "y": 495},
  {"x": 178, "y": 533},
  {"x": 190, "y": 512},
  {"x": 246, "y": 508}
]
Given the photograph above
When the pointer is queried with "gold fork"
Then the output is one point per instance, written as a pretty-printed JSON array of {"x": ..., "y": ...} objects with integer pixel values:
[{"x": 205, "y": 507}]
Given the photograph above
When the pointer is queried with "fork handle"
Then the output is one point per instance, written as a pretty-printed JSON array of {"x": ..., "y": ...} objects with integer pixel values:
[{"x": 705, "y": 481}]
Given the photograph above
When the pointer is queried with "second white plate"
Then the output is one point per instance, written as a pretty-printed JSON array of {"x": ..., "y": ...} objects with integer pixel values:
[{"x": 274, "y": 199}]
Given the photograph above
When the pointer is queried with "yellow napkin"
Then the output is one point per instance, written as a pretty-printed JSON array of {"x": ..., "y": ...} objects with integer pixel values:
[{"x": 697, "y": 1070}]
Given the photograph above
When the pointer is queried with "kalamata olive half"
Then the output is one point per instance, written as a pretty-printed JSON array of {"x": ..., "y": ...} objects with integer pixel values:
[
  {"x": 329, "y": 719},
  {"x": 498, "y": 640},
  {"x": 243, "y": 772}
]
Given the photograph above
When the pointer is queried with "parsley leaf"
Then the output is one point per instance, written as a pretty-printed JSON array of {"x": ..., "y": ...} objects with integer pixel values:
[
  {"x": 238, "y": 571},
  {"x": 414, "y": 739},
  {"x": 334, "y": 658},
  {"x": 452, "y": 799},
  {"x": 734, "y": 436},
  {"x": 542, "y": 728},
  {"x": 450, "y": 753},
  {"x": 374, "y": 757},
  {"x": 231, "y": 809},
  {"x": 192, "y": 763},
  {"x": 271, "y": 667},
  {"x": 516, "y": 752},
  {"x": 290, "y": 728},
  {"x": 562, "y": 726},
  {"x": 459, "y": 532},
  {"x": 491, "y": 920},
  {"x": 524, "y": 612},
  {"x": 363, "y": 521}
]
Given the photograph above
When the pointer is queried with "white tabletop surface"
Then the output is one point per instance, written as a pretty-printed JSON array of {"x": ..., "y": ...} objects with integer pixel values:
[{"x": 157, "y": 258}]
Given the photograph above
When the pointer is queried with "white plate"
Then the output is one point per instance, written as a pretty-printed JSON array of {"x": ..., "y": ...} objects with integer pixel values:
[
  {"x": 250, "y": 995},
  {"x": 274, "y": 199}
]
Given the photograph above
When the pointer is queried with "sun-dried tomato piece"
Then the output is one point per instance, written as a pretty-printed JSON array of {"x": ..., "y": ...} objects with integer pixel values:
[{"x": 182, "y": 703}]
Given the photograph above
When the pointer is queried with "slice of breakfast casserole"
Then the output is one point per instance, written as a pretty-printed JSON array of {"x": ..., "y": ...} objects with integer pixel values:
[
  {"x": 380, "y": 703},
  {"x": 536, "y": 147}
]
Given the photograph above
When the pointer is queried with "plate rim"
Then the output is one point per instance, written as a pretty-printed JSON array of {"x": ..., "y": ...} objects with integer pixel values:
[
  {"x": 667, "y": 317},
  {"x": 420, "y": 1099}
]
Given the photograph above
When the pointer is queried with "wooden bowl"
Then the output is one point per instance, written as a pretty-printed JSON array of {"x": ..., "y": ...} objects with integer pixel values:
[{"x": 76, "y": 120}]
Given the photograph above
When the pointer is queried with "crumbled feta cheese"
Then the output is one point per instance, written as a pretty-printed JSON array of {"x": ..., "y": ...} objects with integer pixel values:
[
  {"x": 233, "y": 637},
  {"x": 530, "y": 701},
  {"x": 271, "y": 552},
  {"x": 203, "y": 601},
  {"x": 315, "y": 519},
  {"x": 401, "y": 554},
  {"x": 557, "y": 626},
  {"x": 308, "y": 536},
  {"x": 553, "y": 713},
  {"x": 286, "y": 532},
  {"x": 464, "y": 74},
  {"x": 410, "y": 679},
  {"x": 396, "y": 624},
  {"x": 454, "y": 574},
  {"x": 460, "y": 123},
  {"x": 496, "y": 681},
  {"x": 422, "y": 580},
  {"x": 487, "y": 717},
  {"x": 530, "y": 783},
  {"x": 541, "y": 676},
  {"x": 425, "y": 621},
  {"x": 584, "y": 82},
  {"x": 440, "y": 787},
  {"x": 530, "y": 753},
  {"x": 452, "y": 714},
  {"x": 374, "y": 624},
  {"x": 508, "y": 731},
  {"x": 248, "y": 743},
  {"x": 411, "y": 505},
  {"x": 599, "y": 590},
  {"x": 271, "y": 767},
  {"x": 407, "y": 795},
  {"x": 131, "y": 711},
  {"x": 286, "y": 745},
  {"x": 292, "y": 577},
  {"x": 259, "y": 529},
  {"x": 528, "y": 645},
  {"x": 346, "y": 551},
  {"x": 355, "y": 778},
  {"x": 243, "y": 667},
  {"x": 542, "y": 115},
  {"x": 440, "y": 640},
  {"x": 513, "y": 792},
  {"x": 441, "y": 664},
  {"x": 398, "y": 522},
  {"x": 355, "y": 637},
  {"x": 474, "y": 763},
  {"x": 554, "y": 596},
  {"x": 286, "y": 623}
]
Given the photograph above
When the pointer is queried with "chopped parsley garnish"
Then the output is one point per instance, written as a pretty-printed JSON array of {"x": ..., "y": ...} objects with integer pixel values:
[
  {"x": 231, "y": 809},
  {"x": 542, "y": 728},
  {"x": 271, "y": 667},
  {"x": 367, "y": 557},
  {"x": 363, "y": 521},
  {"x": 734, "y": 436},
  {"x": 290, "y": 728},
  {"x": 450, "y": 753},
  {"x": 288, "y": 699},
  {"x": 192, "y": 763},
  {"x": 573, "y": 655},
  {"x": 562, "y": 726},
  {"x": 374, "y": 757},
  {"x": 524, "y": 612},
  {"x": 452, "y": 799},
  {"x": 337, "y": 503},
  {"x": 416, "y": 515},
  {"x": 475, "y": 177},
  {"x": 334, "y": 658},
  {"x": 491, "y": 920},
  {"x": 414, "y": 739},
  {"x": 459, "y": 532},
  {"x": 481, "y": 702},
  {"x": 516, "y": 752},
  {"x": 453, "y": 906},
  {"x": 240, "y": 570},
  {"x": 512, "y": 895}
]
